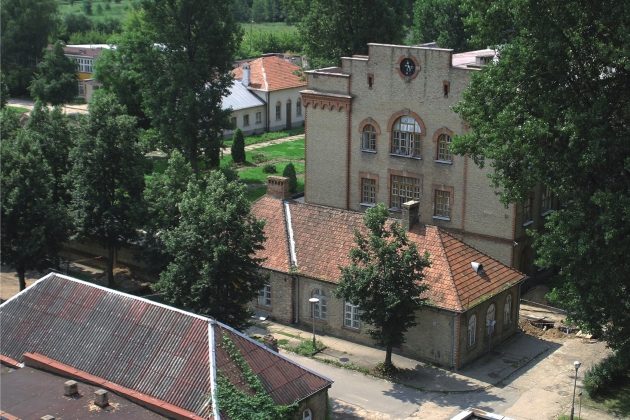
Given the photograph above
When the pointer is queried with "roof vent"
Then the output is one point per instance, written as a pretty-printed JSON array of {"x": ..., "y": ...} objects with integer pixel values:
[
  {"x": 478, "y": 267},
  {"x": 70, "y": 388},
  {"x": 101, "y": 398},
  {"x": 245, "y": 79},
  {"x": 47, "y": 417}
]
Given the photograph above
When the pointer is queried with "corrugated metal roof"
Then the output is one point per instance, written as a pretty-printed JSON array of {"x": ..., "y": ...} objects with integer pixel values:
[
  {"x": 154, "y": 349},
  {"x": 240, "y": 98}
]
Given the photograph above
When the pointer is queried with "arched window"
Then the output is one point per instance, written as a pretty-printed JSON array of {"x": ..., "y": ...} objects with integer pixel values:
[
  {"x": 406, "y": 137},
  {"x": 307, "y": 415},
  {"x": 278, "y": 110},
  {"x": 490, "y": 318},
  {"x": 319, "y": 308},
  {"x": 298, "y": 107},
  {"x": 368, "y": 138},
  {"x": 472, "y": 330},
  {"x": 507, "y": 310},
  {"x": 444, "y": 148}
]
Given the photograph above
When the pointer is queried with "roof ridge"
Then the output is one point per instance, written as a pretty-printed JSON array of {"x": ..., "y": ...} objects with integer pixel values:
[
  {"x": 288, "y": 224},
  {"x": 448, "y": 264}
]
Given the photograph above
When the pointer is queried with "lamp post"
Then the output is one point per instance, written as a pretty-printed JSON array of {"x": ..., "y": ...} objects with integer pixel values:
[
  {"x": 313, "y": 301},
  {"x": 576, "y": 365}
]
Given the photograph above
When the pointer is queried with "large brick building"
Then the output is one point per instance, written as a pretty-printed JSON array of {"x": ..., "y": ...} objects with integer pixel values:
[
  {"x": 469, "y": 310},
  {"x": 378, "y": 129}
]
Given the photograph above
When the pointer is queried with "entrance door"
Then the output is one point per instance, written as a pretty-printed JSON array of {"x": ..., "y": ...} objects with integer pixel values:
[{"x": 288, "y": 115}]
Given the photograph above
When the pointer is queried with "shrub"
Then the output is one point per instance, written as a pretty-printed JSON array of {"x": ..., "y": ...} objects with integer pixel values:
[
  {"x": 238, "y": 146},
  {"x": 289, "y": 172},
  {"x": 606, "y": 374},
  {"x": 269, "y": 169},
  {"x": 259, "y": 158}
]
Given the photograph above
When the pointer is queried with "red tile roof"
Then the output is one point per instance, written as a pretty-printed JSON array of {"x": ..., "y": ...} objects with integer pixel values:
[
  {"x": 140, "y": 345},
  {"x": 271, "y": 73},
  {"x": 323, "y": 237}
]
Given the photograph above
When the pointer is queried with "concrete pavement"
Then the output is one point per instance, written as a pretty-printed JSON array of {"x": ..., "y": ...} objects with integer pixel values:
[{"x": 67, "y": 109}]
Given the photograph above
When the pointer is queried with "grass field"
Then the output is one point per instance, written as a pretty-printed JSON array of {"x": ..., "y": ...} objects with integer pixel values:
[
  {"x": 272, "y": 135},
  {"x": 101, "y": 9}
]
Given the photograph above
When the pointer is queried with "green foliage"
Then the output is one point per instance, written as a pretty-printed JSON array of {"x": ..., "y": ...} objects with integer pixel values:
[
  {"x": 25, "y": 26},
  {"x": 332, "y": 29},
  {"x": 441, "y": 21},
  {"x": 162, "y": 194},
  {"x": 74, "y": 23},
  {"x": 55, "y": 81},
  {"x": 385, "y": 279},
  {"x": 606, "y": 375},
  {"x": 260, "y": 41},
  {"x": 56, "y": 137},
  {"x": 238, "y": 146},
  {"x": 4, "y": 92},
  {"x": 259, "y": 158},
  {"x": 305, "y": 348},
  {"x": 241, "y": 405},
  {"x": 213, "y": 270},
  {"x": 107, "y": 176},
  {"x": 494, "y": 23},
  {"x": 184, "y": 80},
  {"x": 289, "y": 172},
  {"x": 87, "y": 7},
  {"x": 33, "y": 226},
  {"x": 90, "y": 37},
  {"x": 9, "y": 122},
  {"x": 553, "y": 111},
  {"x": 270, "y": 168}
]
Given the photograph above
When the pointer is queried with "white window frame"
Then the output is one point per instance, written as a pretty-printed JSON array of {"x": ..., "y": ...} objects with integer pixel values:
[
  {"x": 368, "y": 138},
  {"x": 278, "y": 111},
  {"x": 320, "y": 309},
  {"x": 546, "y": 201},
  {"x": 444, "y": 148},
  {"x": 298, "y": 108},
  {"x": 264, "y": 295},
  {"x": 351, "y": 316},
  {"x": 307, "y": 414},
  {"x": 406, "y": 137},
  {"x": 472, "y": 330},
  {"x": 258, "y": 117},
  {"x": 246, "y": 120},
  {"x": 507, "y": 310},
  {"x": 528, "y": 210},
  {"x": 368, "y": 191},
  {"x": 442, "y": 205},
  {"x": 403, "y": 189}
]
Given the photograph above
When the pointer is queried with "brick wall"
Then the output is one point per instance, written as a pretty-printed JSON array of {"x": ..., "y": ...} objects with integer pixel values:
[{"x": 318, "y": 404}]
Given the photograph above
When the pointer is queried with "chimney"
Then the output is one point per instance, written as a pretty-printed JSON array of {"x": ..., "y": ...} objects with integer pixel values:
[
  {"x": 101, "y": 398},
  {"x": 245, "y": 79},
  {"x": 278, "y": 187},
  {"x": 410, "y": 214},
  {"x": 70, "y": 388}
]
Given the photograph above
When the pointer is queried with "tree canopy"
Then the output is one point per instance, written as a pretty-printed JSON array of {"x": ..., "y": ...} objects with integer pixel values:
[
  {"x": 332, "y": 29},
  {"x": 107, "y": 176},
  {"x": 33, "y": 228},
  {"x": 213, "y": 270},
  {"x": 25, "y": 29},
  {"x": 55, "y": 81},
  {"x": 554, "y": 111},
  {"x": 385, "y": 280},
  {"x": 441, "y": 21}
]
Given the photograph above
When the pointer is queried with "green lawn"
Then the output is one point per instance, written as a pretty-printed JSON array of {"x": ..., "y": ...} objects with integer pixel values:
[
  {"x": 272, "y": 135},
  {"x": 617, "y": 402},
  {"x": 16, "y": 109},
  {"x": 117, "y": 11},
  {"x": 273, "y": 27}
]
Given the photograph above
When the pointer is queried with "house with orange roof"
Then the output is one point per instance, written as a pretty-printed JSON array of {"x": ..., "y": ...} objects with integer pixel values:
[
  {"x": 472, "y": 300},
  {"x": 277, "y": 82}
]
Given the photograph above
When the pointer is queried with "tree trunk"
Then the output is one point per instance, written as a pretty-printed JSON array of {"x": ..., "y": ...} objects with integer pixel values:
[
  {"x": 110, "y": 266},
  {"x": 388, "y": 357},
  {"x": 20, "y": 272}
]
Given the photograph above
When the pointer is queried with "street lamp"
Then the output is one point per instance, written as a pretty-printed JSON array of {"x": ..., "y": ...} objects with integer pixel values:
[
  {"x": 576, "y": 365},
  {"x": 313, "y": 301}
]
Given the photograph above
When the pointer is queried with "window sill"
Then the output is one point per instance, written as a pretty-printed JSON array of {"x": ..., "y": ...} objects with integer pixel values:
[
  {"x": 444, "y": 162},
  {"x": 406, "y": 156},
  {"x": 367, "y": 204},
  {"x": 546, "y": 213},
  {"x": 528, "y": 223},
  {"x": 368, "y": 151},
  {"x": 444, "y": 218},
  {"x": 356, "y": 330},
  {"x": 394, "y": 210}
]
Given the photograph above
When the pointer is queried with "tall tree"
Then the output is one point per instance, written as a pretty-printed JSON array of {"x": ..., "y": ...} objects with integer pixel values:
[
  {"x": 32, "y": 223},
  {"x": 213, "y": 269},
  {"x": 441, "y": 21},
  {"x": 56, "y": 137},
  {"x": 332, "y": 29},
  {"x": 108, "y": 178},
  {"x": 238, "y": 146},
  {"x": 55, "y": 81},
  {"x": 554, "y": 111},
  {"x": 188, "y": 73},
  {"x": 384, "y": 279},
  {"x": 25, "y": 27}
]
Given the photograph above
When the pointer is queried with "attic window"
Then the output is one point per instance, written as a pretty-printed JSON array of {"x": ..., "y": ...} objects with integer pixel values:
[
  {"x": 446, "y": 88},
  {"x": 370, "y": 80}
]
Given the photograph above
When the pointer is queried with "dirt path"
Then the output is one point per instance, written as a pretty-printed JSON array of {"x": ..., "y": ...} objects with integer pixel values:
[
  {"x": 67, "y": 109},
  {"x": 227, "y": 150}
]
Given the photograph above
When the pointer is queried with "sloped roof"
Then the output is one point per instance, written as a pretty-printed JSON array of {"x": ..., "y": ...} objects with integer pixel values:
[
  {"x": 323, "y": 237},
  {"x": 86, "y": 50},
  {"x": 241, "y": 98},
  {"x": 153, "y": 349},
  {"x": 271, "y": 73}
]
